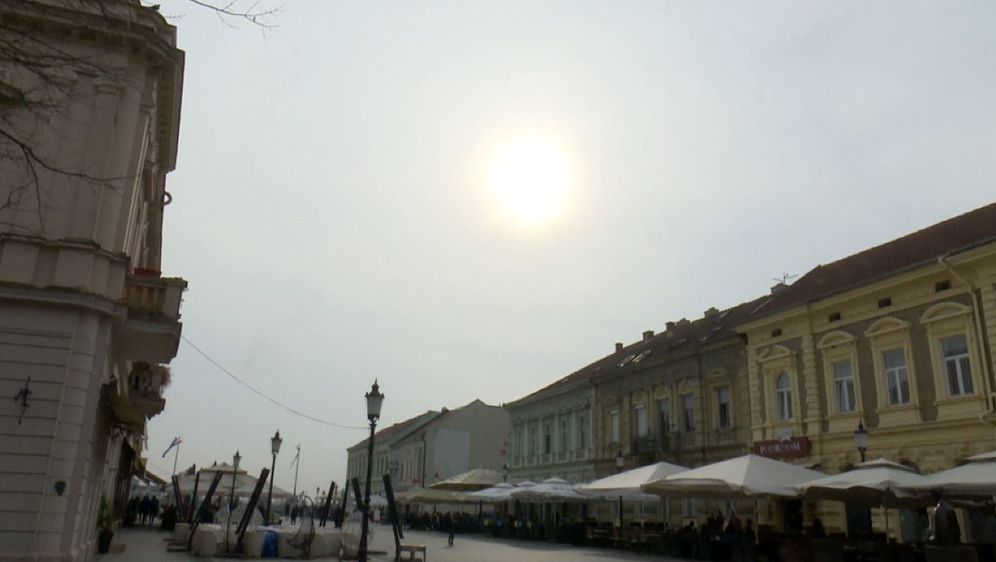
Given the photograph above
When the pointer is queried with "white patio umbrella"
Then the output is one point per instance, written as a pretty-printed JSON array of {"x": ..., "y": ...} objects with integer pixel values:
[
  {"x": 550, "y": 490},
  {"x": 500, "y": 492},
  {"x": 746, "y": 476},
  {"x": 628, "y": 484},
  {"x": 872, "y": 483},
  {"x": 475, "y": 479},
  {"x": 975, "y": 478},
  {"x": 877, "y": 482}
]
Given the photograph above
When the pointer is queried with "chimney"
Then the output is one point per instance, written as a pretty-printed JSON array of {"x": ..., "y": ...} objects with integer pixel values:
[
  {"x": 713, "y": 311},
  {"x": 669, "y": 325},
  {"x": 778, "y": 287},
  {"x": 648, "y": 335},
  {"x": 683, "y": 321},
  {"x": 619, "y": 346}
]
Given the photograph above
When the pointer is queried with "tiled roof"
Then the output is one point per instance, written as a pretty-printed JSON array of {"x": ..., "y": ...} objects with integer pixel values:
[
  {"x": 922, "y": 247},
  {"x": 681, "y": 337}
]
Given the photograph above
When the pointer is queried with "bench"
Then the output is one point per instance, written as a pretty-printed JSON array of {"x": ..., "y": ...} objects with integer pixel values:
[{"x": 411, "y": 549}]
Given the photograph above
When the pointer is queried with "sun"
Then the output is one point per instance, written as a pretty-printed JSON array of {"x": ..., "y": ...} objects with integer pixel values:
[{"x": 531, "y": 179}]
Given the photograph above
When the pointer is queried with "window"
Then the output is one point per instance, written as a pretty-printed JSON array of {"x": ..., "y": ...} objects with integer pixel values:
[
  {"x": 723, "y": 407},
  {"x": 582, "y": 432},
  {"x": 957, "y": 365},
  {"x": 843, "y": 383},
  {"x": 688, "y": 401},
  {"x": 640, "y": 416},
  {"x": 897, "y": 380},
  {"x": 533, "y": 442},
  {"x": 783, "y": 395},
  {"x": 564, "y": 436},
  {"x": 614, "y": 425},
  {"x": 664, "y": 407},
  {"x": 547, "y": 438}
]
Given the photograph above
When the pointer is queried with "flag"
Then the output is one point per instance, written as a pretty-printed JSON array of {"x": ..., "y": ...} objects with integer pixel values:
[
  {"x": 176, "y": 443},
  {"x": 297, "y": 456}
]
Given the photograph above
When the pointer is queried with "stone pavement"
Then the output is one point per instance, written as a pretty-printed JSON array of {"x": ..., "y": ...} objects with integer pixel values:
[{"x": 147, "y": 545}]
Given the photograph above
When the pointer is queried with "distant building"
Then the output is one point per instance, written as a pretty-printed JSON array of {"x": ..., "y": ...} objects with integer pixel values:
[
  {"x": 87, "y": 322},
  {"x": 553, "y": 429},
  {"x": 900, "y": 338},
  {"x": 384, "y": 443},
  {"x": 455, "y": 441}
]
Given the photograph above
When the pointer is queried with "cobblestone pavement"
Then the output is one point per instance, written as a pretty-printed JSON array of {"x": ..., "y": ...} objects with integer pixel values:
[{"x": 146, "y": 545}]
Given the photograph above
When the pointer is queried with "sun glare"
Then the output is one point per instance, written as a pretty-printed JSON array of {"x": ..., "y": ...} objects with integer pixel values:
[{"x": 531, "y": 179}]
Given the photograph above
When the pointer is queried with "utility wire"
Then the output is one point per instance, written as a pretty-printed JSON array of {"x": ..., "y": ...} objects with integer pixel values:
[{"x": 264, "y": 396}]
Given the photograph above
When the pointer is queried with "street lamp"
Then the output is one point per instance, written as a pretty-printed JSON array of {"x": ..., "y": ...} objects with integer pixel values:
[
  {"x": 861, "y": 440},
  {"x": 620, "y": 460},
  {"x": 504, "y": 472},
  {"x": 275, "y": 442},
  {"x": 231, "y": 500},
  {"x": 374, "y": 401}
]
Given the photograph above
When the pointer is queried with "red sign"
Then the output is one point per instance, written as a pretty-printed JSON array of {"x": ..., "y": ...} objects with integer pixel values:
[{"x": 791, "y": 447}]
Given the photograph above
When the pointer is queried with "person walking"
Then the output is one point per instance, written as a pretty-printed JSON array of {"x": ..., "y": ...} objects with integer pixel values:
[
  {"x": 450, "y": 526},
  {"x": 153, "y": 510},
  {"x": 143, "y": 509}
]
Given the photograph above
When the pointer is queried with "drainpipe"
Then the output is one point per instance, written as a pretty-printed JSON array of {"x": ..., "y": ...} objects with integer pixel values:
[{"x": 986, "y": 367}]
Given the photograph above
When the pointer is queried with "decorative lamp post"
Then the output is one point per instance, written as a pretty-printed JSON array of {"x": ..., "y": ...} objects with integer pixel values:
[
  {"x": 504, "y": 472},
  {"x": 861, "y": 440},
  {"x": 620, "y": 461},
  {"x": 374, "y": 401},
  {"x": 275, "y": 442},
  {"x": 231, "y": 501}
]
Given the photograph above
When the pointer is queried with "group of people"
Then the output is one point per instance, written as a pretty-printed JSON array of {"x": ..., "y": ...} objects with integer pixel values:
[{"x": 144, "y": 510}]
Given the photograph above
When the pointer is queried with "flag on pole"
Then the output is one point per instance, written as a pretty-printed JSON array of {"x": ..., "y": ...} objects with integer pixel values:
[
  {"x": 297, "y": 456},
  {"x": 176, "y": 443}
]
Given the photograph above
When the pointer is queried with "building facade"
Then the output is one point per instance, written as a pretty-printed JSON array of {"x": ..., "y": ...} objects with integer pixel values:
[
  {"x": 385, "y": 442},
  {"x": 473, "y": 436},
  {"x": 553, "y": 429},
  {"x": 89, "y": 127},
  {"x": 899, "y": 338},
  {"x": 678, "y": 396}
]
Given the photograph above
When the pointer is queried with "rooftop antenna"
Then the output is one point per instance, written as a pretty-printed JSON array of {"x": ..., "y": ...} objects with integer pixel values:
[{"x": 785, "y": 279}]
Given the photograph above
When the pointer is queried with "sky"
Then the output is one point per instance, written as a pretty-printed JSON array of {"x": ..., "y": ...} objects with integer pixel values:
[{"x": 335, "y": 215}]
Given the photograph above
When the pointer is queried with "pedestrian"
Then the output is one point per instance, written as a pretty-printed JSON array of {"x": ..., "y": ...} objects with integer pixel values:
[
  {"x": 294, "y": 514},
  {"x": 143, "y": 509},
  {"x": 451, "y": 527},
  {"x": 153, "y": 510}
]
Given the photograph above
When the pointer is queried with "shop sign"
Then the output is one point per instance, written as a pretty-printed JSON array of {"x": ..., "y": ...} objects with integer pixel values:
[{"x": 787, "y": 448}]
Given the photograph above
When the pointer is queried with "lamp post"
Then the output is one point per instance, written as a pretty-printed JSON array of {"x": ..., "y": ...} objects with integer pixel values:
[
  {"x": 231, "y": 500},
  {"x": 620, "y": 460},
  {"x": 504, "y": 472},
  {"x": 861, "y": 440},
  {"x": 275, "y": 442},
  {"x": 374, "y": 401}
]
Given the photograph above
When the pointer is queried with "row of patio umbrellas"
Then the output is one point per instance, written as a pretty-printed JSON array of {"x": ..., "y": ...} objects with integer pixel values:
[{"x": 876, "y": 482}]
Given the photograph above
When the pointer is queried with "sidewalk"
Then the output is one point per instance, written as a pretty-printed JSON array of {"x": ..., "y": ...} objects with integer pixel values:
[{"x": 149, "y": 545}]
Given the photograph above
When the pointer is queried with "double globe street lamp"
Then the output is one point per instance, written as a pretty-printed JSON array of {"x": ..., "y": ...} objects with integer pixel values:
[
  {"x": 861, "y": 440},
  {"x": 275, "y": 442},
  {"x": 374, "y": 401}
]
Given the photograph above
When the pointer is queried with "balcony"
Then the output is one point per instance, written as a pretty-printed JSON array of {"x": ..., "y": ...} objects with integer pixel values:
[
  {"x": 152, "y": 330},
  {"x": 145, "y": 386}
]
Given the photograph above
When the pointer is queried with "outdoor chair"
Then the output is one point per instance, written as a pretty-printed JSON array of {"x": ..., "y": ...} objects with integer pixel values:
[{"x": 411, "y": 550}]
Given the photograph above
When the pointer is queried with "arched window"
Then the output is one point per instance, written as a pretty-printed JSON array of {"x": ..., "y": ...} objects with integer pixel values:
[{"x": 783, "y": 391}]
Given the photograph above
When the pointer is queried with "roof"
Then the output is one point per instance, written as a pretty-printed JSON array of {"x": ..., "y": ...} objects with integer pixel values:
[
  {"x": 400, "y": 428},
  {"x": 680, "y": 337},
  {"x": 683, "y": 338},
  {"x": 922, "y": 247}
]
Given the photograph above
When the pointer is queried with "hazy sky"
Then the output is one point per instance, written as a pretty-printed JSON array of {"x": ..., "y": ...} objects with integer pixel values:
[{"x": 333, "y": 216}]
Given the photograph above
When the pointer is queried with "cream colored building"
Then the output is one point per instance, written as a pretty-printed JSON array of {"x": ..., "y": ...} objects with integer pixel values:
[
  {"x": 87, "y": 322},
  {"x": 900, "y": 337}
]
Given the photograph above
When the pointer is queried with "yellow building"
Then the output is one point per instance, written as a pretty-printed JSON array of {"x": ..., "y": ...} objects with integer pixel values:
[{"x": 899, "y": 338}]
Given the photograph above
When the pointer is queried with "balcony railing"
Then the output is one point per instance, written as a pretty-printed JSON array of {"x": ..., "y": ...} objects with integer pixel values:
[{"x": 146, "y": 294}]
